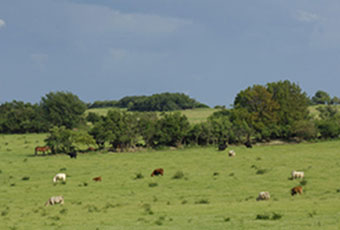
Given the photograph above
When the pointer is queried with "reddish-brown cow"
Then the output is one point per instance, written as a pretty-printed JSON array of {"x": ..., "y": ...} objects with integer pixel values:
[
  {"x": 296, "y": 190},
  {"x": 157, "y": 172},
  {"x": 99, "y": 178}
]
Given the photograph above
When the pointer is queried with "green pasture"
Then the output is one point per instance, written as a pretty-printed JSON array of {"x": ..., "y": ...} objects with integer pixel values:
[
  {"x": 202, "y": 188},
  {"x": 194, "y": 115}
]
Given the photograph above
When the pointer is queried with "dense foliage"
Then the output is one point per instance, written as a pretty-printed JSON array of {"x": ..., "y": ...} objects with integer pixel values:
[
  {"x": 20, "y": 117},
  {"x": 156, "y": 102},
  {"x": 62, "y": 108},
  {"x": 103, "y": 104},
  {"x": 278, "y": 110}
]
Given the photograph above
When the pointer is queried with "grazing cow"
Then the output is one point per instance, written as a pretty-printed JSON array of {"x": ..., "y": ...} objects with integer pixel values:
[
  {"x": 248, "y": 144},
  {"x": 222, "y": 146},
  {"x": 99, "y": 178},
  {"x": 263, "y": 196},
  {"x": 296, "y": 190},
  {"x": 42, "y": 149},
  {"x": 231, "y": 153},
  {"x": 157, "y": 172},
  {"x": 296, "y": 174},
  {"x": 73, "y": 154},
  {"x": 55, "y": 200},
  {"x": 59, "y": 176},
  {"x": 91, "y": 149}
]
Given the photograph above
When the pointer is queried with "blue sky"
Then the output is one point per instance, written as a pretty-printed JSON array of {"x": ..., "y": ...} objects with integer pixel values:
[{"x": 208, "y": 49}]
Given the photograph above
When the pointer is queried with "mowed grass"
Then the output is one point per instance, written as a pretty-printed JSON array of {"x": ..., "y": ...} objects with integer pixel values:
[{"x": 211, "y": 190}]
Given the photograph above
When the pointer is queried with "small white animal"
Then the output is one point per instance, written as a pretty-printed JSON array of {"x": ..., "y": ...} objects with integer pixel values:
[
  {"x": 231, "y": 153},
  {"x": 296, "y": 174},
  {"x": 59, "y": 176},
  {"x": 263, "y": 196},
  {"x": 55, "y": 200}
]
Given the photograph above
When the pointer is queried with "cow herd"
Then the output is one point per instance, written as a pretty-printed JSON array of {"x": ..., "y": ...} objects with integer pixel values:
[
  {"x": 62, "y": 177},
  {"x": 264, "y": 195}
]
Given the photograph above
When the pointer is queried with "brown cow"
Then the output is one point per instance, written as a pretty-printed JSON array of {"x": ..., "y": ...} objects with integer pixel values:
[
  {"x": 296, "y": 190},
  {"x": 42, "y": 149},
  {"x": 157, "y": 172},
  {"x": 99, "y": 178}
]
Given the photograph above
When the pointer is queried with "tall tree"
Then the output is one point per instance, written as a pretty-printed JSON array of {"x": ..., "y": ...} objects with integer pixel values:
[
  {"x": 293, "y": 105},
  {"x": 321, "y": 97},
  {"x": 63, "y": 108},
  {"x": 262, "y": 109}
]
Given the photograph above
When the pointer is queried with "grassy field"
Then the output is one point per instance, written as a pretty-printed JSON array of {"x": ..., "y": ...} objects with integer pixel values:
[
  {"x": 194, "y": 115},
  {"x": 200, "y": 115},
  {"x": 202, "y": 188}
]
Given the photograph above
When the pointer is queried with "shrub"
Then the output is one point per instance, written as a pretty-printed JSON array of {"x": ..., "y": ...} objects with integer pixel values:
[
  {"x": 139, "y": 176},
  {"x": 153, "y": 184},
  {"x": 226, "y": 219},
  {"x": 147, "y": 209},
  {"x": 262, "y": 217},
  {"x": 261, "y": 171},
  {"x": 303, "y": 182},
  {"x": 202, "y": 201},
  {"x": 178, "y": 175},
  {"x": 25, "y": 178},
  {"x": 276, "y": 216}
]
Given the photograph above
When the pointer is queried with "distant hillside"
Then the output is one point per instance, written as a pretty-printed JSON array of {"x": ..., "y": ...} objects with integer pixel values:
[
  {"x": 155, "y": 102},
  {"x": 194, "y": 116}
]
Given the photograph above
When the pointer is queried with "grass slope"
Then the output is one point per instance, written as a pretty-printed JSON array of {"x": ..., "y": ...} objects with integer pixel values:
[
  {"x": 194, "y": 115},
  {"x": 211, "y": 191}
]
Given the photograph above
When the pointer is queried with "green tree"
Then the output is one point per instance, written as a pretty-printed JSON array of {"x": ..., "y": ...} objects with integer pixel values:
[
  {"x": 93, "y": 117},
  {"x": 321, "y": 97},
  {"x": 100, "y": 133},
  {"x": 293, "y": 104},
  {"x": 335, "y": 101},
  {"x": 63, "y": 109},
  {"x": 147, "y": 122},
  {"x": 200, "y": 134},
  {"x": 63, "y": 140},
  {"x": 171, "y": 129},
  {"x": 20, "y": 117},
  {"x": 221, "y": 129},
  {"x": 262, "y": 110},
  {"x": 329, "y": 122}
]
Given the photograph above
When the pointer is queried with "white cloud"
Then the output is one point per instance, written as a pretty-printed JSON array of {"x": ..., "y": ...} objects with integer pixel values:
[
  {"x": 305, "y": 16},
  {"x": 101, "y": 19},
  {"x": 2, "y": 23}
]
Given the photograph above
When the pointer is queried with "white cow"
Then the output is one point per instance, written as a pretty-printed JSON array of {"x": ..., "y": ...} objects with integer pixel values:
[
  {"x": 231, "y": 153},
  {"x": 55, "y": 200},
  {"x": 263, "y": 196},
  {"x": 296, "y": 174},
  {"x": 59, "y": 176}
]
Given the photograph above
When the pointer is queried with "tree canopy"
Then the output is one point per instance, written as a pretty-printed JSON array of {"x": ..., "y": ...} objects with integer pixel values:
[{"x": 62, "y": 109}]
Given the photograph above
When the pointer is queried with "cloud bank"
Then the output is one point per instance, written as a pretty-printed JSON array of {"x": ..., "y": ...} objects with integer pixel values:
[
  {"x": 305, "y": 16},
  {"x": 2, "y": 23}
]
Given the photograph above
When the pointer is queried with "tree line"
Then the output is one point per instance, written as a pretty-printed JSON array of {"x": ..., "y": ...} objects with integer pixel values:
[
  {"x": 260, "y": 113},
  {"x": 156, "y": 102}
]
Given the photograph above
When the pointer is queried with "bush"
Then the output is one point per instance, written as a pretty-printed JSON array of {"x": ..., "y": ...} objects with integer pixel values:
[
  {"x": 139, "y": 176},
  {"x": 276, "y": 216},
  {"x": 202, "y": 201},
  {"x": 262, "y": 217},
  {"x": 261, "y": 171},
  {"x": 178, "y": 175},
  {"x": 153, "y": 184}
]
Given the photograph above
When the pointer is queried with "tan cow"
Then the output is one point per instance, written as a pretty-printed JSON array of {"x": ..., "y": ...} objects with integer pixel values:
[
  {"x": 263, "y": 196},
  {"x": 55, "y": 200}
]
